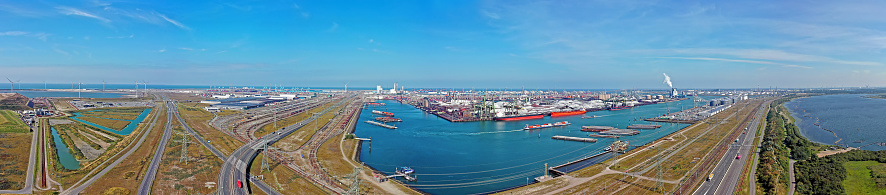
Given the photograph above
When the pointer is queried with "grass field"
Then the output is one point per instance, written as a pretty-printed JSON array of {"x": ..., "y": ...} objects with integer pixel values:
[
  {"x": 14, "y": 153},
  {"x": 198, "y": 120},
  {"x": 186, "y": 177},
  {"x": 109, "y": 123},
  {"x": 10, "y": 123},
  {"x": 859, "y": 180}
]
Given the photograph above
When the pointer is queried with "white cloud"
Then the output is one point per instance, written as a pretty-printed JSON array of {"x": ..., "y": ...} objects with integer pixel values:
[
  {"x": 13, "y": 33},
  {"x": 334, "y": 26},
  {"x": 61, "y": 51},
  {"x": 736, "y": 60},
  {"x": 490, "y": 14},
  {"x": 162, "y": 50},
  {"x": 72, "y": 11},
  {"x": 370, "y": 40},
  {"x": 187, "y": 48},
  {"x": 176, "y": 23},
  {"x": 122, "y": 37}
]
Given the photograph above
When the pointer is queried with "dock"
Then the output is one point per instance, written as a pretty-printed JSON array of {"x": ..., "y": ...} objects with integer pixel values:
[
  {"x": 671, "y": 120},
  {"x": 405, "y": 176},
  {"x": 578, "y": 139},
  {"x": 580, "y": 163},
  {"x": 596, "y": 128},
  {"x": 644, "y": 126},
  {"x": 381, "y": 125},
  {"x": 619, "y": 132},
  {"x": 603, "y": 136}
]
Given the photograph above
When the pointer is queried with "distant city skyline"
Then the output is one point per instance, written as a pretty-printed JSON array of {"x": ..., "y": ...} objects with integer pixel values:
[{"x": 447, "y": 44}]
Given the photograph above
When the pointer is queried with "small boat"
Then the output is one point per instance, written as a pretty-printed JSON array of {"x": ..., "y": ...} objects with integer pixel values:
[
  {"x": 405, "y": 170},
  {"x": 592, "y": 116}
]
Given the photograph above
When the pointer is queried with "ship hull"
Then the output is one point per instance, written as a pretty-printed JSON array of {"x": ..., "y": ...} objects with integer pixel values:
[
  {"x": 568, "y": 113},
  {"x": 518, "y": 118}
]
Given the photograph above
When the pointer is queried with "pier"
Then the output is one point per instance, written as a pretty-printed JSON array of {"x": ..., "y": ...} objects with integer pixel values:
[
  {"x": 578, "y": 139},
  {"x": 580, "y": 163},
  {"x": 381, "y": 125},
  {"x": 619, "y": 132},
  {"x": 596, "y": 128},
  {"x": 603, "y": 136},
  {"x": 671, "y": 120},
  {"x": 644, "y": 126}
]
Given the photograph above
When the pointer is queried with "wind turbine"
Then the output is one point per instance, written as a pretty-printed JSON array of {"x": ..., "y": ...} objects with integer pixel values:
[
  {"x": 11, "y": 84},
  {"x": 103, "y": 85},
  {"x": 145, "y": 83},
  {"x": 136, "y": 89},
  {"x": 79, "y": 88},
  {"x": 346, "y": 86}
]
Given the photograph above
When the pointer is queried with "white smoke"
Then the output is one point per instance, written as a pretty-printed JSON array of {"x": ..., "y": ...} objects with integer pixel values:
[{"x": 668, "y": 80}]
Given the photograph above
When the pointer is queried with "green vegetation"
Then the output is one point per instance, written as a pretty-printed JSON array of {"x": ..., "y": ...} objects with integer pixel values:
[
  {"x": 826, "y": 175},
  {"x": 109, "y": 123},
  {"x": 782, "y": 140},
  {"x": 10, "y": 123},
  {"x": 859, "y": 178},
  {"x": 878, "y": 173},
  {"x": 115, "y": 113},
  {"x": 877, "y": 96}
]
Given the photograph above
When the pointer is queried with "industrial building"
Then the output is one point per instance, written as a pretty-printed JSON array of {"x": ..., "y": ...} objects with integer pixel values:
[{"x": 239, "y": 103}]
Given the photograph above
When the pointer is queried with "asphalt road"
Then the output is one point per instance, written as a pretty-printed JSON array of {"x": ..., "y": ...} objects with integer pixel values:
[
  {"x": 148, "y": 180},
  {"x": 234, "y": 170},
  {"x": 727, "y": 173}
]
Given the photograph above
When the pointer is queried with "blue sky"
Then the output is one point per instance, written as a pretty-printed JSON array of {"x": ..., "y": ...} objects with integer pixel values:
[{"x": 483, "y": 44}]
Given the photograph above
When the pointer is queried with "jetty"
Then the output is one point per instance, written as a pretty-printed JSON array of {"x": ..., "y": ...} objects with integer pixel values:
[
  {"x": 603, "y": 136},
  {"x": 596, "y": 128},
  {"x": 619, "y": 132},
  {"x": 644, "y": 126},
  {"x": 382, "y": 125},
  {"x": 578, "y": 139}
]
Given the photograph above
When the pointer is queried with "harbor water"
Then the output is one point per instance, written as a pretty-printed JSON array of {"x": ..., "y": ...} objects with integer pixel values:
[
  {"x": 488, "y": 156},
  {"x": 36, "y": 94},
  {"x": 64, "y": 154},
  {"x": 854, "y": 120}
]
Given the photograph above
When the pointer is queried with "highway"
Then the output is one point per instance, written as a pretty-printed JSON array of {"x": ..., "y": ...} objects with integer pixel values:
[
  {"x": 727, "y": 172},
  {"x": 148, "y": 180},
  {"x": 234, "y": 170}
]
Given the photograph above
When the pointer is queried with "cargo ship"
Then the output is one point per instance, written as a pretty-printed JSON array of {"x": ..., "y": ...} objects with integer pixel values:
[
  {"x": 375, "y": 104},
  {"x": 519, "y": 117},
  {"x": 546, "y": 125},
  {"x": 382, "y": 113},
  {"x": 388, "y": 119},
  {"x": 568, "y": 113}
]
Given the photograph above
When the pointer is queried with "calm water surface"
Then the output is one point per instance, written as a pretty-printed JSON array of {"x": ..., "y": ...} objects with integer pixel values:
[
  {"x": 64, "y": 154},
  {"x": 478, "y": 157},
  {"x": 853, "y": 118}
]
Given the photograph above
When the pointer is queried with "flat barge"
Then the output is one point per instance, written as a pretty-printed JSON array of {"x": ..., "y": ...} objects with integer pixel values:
[
  {"x": 619, "y": 132},
  {"x": 603, "y": 136},
  {"x": 381, "y": 125},
  {"x": 546, "y": 125},
  {"x": 578, "y": 139},
  {"x": 388, "y": 119},
  {"x": 596, "y": 128}
]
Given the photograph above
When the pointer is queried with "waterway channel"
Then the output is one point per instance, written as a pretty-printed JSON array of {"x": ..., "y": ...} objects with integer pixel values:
[
  {"x": 488, "y": 156},
  {"x": 64, "y": 154},
  {"x": 126, "y": 130}
]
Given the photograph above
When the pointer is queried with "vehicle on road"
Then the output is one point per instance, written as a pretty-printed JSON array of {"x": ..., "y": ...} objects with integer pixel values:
[
  {"x": 710, "y": 177},
  {"x": 738, "y": 157},
  {"x": 239, "y": 184},
  {"x": 736, "y": 140}
]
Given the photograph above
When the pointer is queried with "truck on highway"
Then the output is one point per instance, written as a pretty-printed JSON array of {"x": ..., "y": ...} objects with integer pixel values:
[
  {"x": 239, "y": 184},
  {"x": 710, "y": 177}
]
